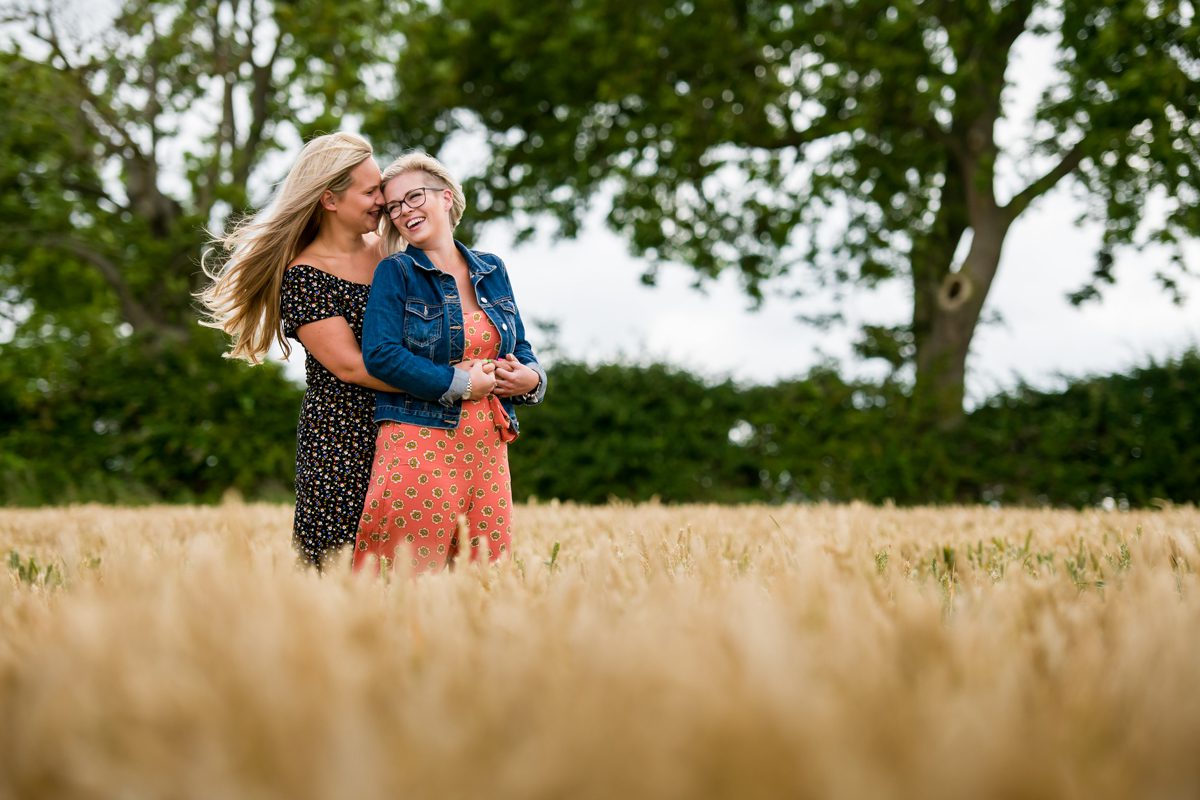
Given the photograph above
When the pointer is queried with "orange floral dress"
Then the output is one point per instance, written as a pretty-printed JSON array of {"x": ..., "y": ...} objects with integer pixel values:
[{"x": 433, "y": 490}]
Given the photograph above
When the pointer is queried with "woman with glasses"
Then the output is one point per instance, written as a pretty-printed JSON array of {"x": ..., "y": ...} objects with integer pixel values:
[
  {"x": 301, "y": 268},
  {"x": 443, "y": 327}
]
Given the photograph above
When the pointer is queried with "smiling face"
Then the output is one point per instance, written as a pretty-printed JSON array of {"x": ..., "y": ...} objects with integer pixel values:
[
  {"x": 428, "y": 223},
  {"x": 361, "y": 204}
]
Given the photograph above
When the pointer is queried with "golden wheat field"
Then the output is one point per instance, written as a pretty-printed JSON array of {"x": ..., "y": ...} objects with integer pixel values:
[{"x": 623, "y": 651}]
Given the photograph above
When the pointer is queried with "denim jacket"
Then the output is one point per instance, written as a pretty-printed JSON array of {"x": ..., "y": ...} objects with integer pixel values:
[{"x": 413, "y": 332}]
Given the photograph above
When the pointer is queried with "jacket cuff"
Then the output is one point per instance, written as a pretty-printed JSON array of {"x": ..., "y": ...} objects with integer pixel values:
[
  {"x": 533, "y": 397},
  {"x": 458, "y": 388}
]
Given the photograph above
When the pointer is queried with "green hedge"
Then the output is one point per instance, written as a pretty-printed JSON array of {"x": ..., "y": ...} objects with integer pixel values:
[
  {"x": 130, "y": 421},
  {"x": 137, "y": 421},
  {"x": 1134, "y": 438},
  {"x": 639, "y": 432}
]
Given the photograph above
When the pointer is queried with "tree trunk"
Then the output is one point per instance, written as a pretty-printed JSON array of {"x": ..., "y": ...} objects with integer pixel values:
[
  {"x": 942, "y": 357},
  {"x": 952, "y": 310}
]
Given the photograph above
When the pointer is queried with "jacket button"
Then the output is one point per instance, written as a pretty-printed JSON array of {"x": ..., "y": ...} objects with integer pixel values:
[{"x": 483, "y": 299}]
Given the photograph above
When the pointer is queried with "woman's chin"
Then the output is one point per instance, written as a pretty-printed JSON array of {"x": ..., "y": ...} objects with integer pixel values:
[{"x": 418, "y": 240}]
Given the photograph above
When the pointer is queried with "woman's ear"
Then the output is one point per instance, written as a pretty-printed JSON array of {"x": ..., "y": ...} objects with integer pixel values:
[{"x": 328, "y": 200}]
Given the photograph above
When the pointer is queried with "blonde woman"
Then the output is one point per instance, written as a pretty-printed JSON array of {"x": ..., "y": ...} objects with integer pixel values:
[
  {"x": 442, "y": 325},
  {"x": 301, "y": 268}
]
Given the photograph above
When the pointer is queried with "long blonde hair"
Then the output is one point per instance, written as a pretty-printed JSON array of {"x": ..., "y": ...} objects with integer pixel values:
[
  {"x": 417, "y": 161},
  {"x": 243, "y": 298}
]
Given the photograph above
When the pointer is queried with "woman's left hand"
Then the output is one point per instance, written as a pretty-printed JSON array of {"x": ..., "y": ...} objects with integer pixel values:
[{"x": 513, "y": 378}]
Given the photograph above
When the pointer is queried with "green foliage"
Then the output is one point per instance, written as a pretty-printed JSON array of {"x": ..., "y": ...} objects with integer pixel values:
[
  {"x": 853, "y": 138},
  {"x": 552, "y": 561},
  {"x": 118, "y": 150},
  {"x": 30, "y": 572},
  {"x": 1086, "y": 566},
  {"x": 725, "y": 133},
  {"x": 640, "y": 432},
  {"x": 117, "y": 421},
  {"x": 125, "y": 421},
  {"x": 122, "y": 147},
  {"x": 627, "y": 432},
  {"x": 1128, "y": 437}
]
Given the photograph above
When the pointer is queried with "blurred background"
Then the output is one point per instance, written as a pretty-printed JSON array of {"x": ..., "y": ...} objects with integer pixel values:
[{"x": 889, "y": 251}]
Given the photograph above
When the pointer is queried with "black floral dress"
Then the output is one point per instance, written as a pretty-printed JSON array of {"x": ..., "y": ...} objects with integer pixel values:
[{"x": 335, "y": 437}]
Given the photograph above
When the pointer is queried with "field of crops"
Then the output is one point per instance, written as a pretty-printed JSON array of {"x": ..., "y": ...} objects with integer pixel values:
[{"x": 623, "y": 651}]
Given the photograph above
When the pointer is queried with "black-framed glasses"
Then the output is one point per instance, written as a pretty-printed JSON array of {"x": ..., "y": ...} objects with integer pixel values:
[{"x": 414, "y": 200}]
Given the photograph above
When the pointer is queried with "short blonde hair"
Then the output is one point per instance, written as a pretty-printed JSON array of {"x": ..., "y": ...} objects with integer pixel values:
[{"x": 417, "y": 161}]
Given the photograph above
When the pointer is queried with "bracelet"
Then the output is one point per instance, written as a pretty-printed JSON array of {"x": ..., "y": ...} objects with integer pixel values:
[
  {"x": 532, "y": 393},
  {"x": 467, "y": 391}
]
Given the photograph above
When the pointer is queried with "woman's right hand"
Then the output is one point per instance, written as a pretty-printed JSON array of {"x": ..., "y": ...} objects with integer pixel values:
[{"x": 483, "y": 379}]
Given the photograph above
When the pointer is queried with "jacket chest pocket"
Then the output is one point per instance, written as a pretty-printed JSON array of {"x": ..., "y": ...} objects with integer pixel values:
[
  {"x": 422, "y": 326},
  {"x": 506, "y": 314}
]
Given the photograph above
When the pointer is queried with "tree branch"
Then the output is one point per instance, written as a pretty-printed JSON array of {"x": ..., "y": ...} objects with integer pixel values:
[
  {"x": 133, "y": 311},
  {"x": 259, "y": 107},
  {"x": 979, "y": 103},
  {"x": 1013, "y": 20},
  {"x": 206, "y": 191},
  {"x": 8, "y": 308},
  {"x": 91, "y": 107},
  {"x": 92, "y": 190},
  {"x": 153, "y": 108},
  {"x": 1066, "y": 165},
  {"x": 822, "y": 128}
]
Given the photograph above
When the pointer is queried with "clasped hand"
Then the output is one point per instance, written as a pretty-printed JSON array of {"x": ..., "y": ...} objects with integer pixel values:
[{"x": 506, "y": 377}]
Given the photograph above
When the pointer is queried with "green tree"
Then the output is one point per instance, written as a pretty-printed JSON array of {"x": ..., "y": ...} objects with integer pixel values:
[
  {"x": 125, "y": 138},
  {"x": 122, "y": 144},
  {"x": 728, "y": 132}
]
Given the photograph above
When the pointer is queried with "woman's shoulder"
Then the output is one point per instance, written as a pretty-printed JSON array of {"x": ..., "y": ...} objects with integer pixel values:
[
  {"x": 303, "y": 269},
  {"x": 303, "y": 279},
  {"x": 302, "y": 274}
]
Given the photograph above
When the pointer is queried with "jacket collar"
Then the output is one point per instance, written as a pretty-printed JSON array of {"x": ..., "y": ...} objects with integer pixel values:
[{"x": 475, "y": 264}]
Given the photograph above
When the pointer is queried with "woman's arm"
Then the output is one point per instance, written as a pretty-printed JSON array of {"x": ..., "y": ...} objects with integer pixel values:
[{"x": 331, "y": 342}]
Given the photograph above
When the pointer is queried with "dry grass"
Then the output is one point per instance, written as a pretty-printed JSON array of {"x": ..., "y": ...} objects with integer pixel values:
[{"x": 841, "y": 652}]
